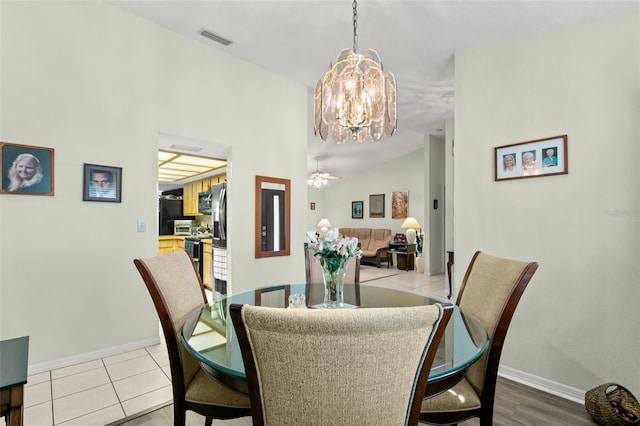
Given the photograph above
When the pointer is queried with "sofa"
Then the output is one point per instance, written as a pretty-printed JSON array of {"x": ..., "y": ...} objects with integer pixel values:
[{"x": 374, "y": 243}]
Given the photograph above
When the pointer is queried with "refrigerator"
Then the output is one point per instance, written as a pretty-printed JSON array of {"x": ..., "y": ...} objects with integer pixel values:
[
  {"x": 219, "y": 236},
  {"x": 169, "y": 210}
]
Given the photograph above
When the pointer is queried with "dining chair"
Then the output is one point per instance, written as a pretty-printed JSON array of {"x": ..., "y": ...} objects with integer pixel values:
[
  {"x": 491, "y": 290},
  {"x": 315, "y": 287},
  {"x": 281, "y": 293},
  {"x": 338, "y": 366},
  {"x": 176, "y": 290}
]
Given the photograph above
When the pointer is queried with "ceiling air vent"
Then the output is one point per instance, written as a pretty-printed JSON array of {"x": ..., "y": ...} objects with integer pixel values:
[
  {"x": 186, "y": 148},
  {"x": 215, "y": 37}
]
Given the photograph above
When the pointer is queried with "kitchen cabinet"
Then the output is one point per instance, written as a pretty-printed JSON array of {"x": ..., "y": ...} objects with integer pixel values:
[
  {"x": 207, "y": 264},
  {"x": 190, "y": 198},
  {"x": 170, "y": 244},
  {"x": 192, "y": 189}
]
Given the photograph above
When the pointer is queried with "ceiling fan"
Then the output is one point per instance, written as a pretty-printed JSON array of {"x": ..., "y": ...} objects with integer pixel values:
[{"x": 318, "y": 178}]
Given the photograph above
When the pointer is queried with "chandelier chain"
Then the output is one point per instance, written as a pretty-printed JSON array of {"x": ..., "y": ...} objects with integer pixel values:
[{"x": 355, "y": 25}]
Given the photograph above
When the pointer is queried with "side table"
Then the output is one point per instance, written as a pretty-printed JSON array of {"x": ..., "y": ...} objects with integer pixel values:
[
  {"x": 14, "y": 354},
  {"x": 405, "y": 253}
]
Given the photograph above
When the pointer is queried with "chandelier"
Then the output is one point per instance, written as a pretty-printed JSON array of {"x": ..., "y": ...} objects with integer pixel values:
[{"x": 356, "y": 98}]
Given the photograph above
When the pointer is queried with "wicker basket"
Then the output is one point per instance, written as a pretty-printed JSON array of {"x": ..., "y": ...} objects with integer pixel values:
[{"x": 612, "y": 404}]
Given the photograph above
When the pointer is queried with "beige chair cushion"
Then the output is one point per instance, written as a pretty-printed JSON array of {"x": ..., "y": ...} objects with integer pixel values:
[
  {"x": 338, "y": 367},
  {"x": 204, "y": 390},
  {"x": 460, "y": 397}
]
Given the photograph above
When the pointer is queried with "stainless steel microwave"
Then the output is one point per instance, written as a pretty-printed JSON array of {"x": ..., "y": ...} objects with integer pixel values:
[{"x": 204, "y": 202}]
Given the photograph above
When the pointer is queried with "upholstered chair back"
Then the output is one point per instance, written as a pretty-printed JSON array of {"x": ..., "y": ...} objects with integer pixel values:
[
  {"x": 176, "y": 289},
  {"x": 490, "y": 286},
  {"x": 337, "y": 366}
]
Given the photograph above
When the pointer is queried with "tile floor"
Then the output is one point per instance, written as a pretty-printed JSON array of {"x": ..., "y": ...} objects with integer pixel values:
[{"x": 119, "y": 389}]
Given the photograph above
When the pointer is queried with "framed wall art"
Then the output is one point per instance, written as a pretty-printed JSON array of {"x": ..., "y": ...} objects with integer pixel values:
[
  {"x": 102, "y": 183},
  {"x": 26, "y": 170},
  {"x": 357, "y": 208},
  {"x": 376, "y": 205},
  {"x": 537, "y": 158},
  {"x": 399, "y": 204}
]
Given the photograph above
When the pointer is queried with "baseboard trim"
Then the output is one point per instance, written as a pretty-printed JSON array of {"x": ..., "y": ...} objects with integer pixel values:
[
  {"x": 91, "y": 356},
  {"x": 540, "y": 383}
]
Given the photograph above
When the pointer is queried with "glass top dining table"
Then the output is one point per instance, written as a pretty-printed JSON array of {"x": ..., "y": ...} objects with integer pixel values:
[{"x": 209, "y": 335}]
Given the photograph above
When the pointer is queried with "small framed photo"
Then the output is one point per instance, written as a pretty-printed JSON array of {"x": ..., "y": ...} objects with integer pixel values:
[
  {"x": 102, "y": 183},
  {"x": 376, "y": 205},
  {"x": 357, "y": 208},
  {"x": 537, "y": 158},
  {"x": 400, "y": 238},
  {"x": 26, "y": 170}
]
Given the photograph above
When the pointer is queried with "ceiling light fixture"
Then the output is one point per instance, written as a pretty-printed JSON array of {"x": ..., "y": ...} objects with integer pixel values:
[
  {"x": 356, "y": 98},
  {"x": 318, "y": 179}
]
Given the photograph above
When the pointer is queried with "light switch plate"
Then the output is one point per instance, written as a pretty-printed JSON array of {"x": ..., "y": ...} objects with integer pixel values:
[{"x": 142, "y": 225}]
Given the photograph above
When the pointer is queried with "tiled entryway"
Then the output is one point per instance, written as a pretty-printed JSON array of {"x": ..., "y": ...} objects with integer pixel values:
[
  {"x": 100, "y": 392},
  {"x": 118, "y": 388}
]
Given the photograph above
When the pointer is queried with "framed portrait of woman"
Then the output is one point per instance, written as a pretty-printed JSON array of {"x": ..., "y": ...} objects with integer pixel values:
[{"x": 26, "y": 170}]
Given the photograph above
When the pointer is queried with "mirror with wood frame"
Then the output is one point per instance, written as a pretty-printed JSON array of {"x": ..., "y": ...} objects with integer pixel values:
[{"x": 273, "y": 216}]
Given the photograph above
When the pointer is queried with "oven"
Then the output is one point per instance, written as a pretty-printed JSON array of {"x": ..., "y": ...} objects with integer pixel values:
[{"x": 194, "y": 247}]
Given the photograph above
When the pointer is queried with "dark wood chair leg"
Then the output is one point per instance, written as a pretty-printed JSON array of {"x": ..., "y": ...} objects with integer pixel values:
[{"x": 179, "y": 415}]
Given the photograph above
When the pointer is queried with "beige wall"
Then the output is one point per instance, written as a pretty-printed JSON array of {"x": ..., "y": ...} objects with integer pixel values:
[
  {"x": 577, "y": 323},
  {"x": 403, "y": 174},
  {"x": 98, "y": 85}
]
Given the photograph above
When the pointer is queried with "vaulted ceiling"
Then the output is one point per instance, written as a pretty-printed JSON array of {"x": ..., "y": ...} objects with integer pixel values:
[{"x": 416, "y": 40}]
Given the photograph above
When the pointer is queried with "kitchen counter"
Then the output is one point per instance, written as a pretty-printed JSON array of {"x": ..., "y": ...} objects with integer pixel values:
[
  {"x": 171, "y": 237},
  {"x": 170, "y": 243}
]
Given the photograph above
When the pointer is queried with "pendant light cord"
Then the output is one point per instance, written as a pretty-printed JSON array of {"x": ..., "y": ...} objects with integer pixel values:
[{"x": 355, "y": 26}]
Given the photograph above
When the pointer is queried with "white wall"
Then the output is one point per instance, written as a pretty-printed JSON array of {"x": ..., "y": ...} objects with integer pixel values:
[
  {"x": 577, "y": 323},
  {"x": 98, "y": 85},
  {"x": 435, "y": 182},
  {"x": 403, "y": 174}
]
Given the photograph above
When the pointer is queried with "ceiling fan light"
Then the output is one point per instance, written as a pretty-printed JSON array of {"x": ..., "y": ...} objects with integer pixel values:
[{"x": 318, "y": 179}]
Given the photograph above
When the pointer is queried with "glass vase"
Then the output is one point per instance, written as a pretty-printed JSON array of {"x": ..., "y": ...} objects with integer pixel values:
[{"x": 333, "y": 271}]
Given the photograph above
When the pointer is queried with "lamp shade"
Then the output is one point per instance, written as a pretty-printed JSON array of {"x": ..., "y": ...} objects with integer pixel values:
[
  {"x": 411, "y": 224},
  {"x": 324, "y": 223}
]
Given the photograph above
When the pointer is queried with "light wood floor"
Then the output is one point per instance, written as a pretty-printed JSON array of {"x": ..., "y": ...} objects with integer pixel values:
[{"x": 516, "y": 405}]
